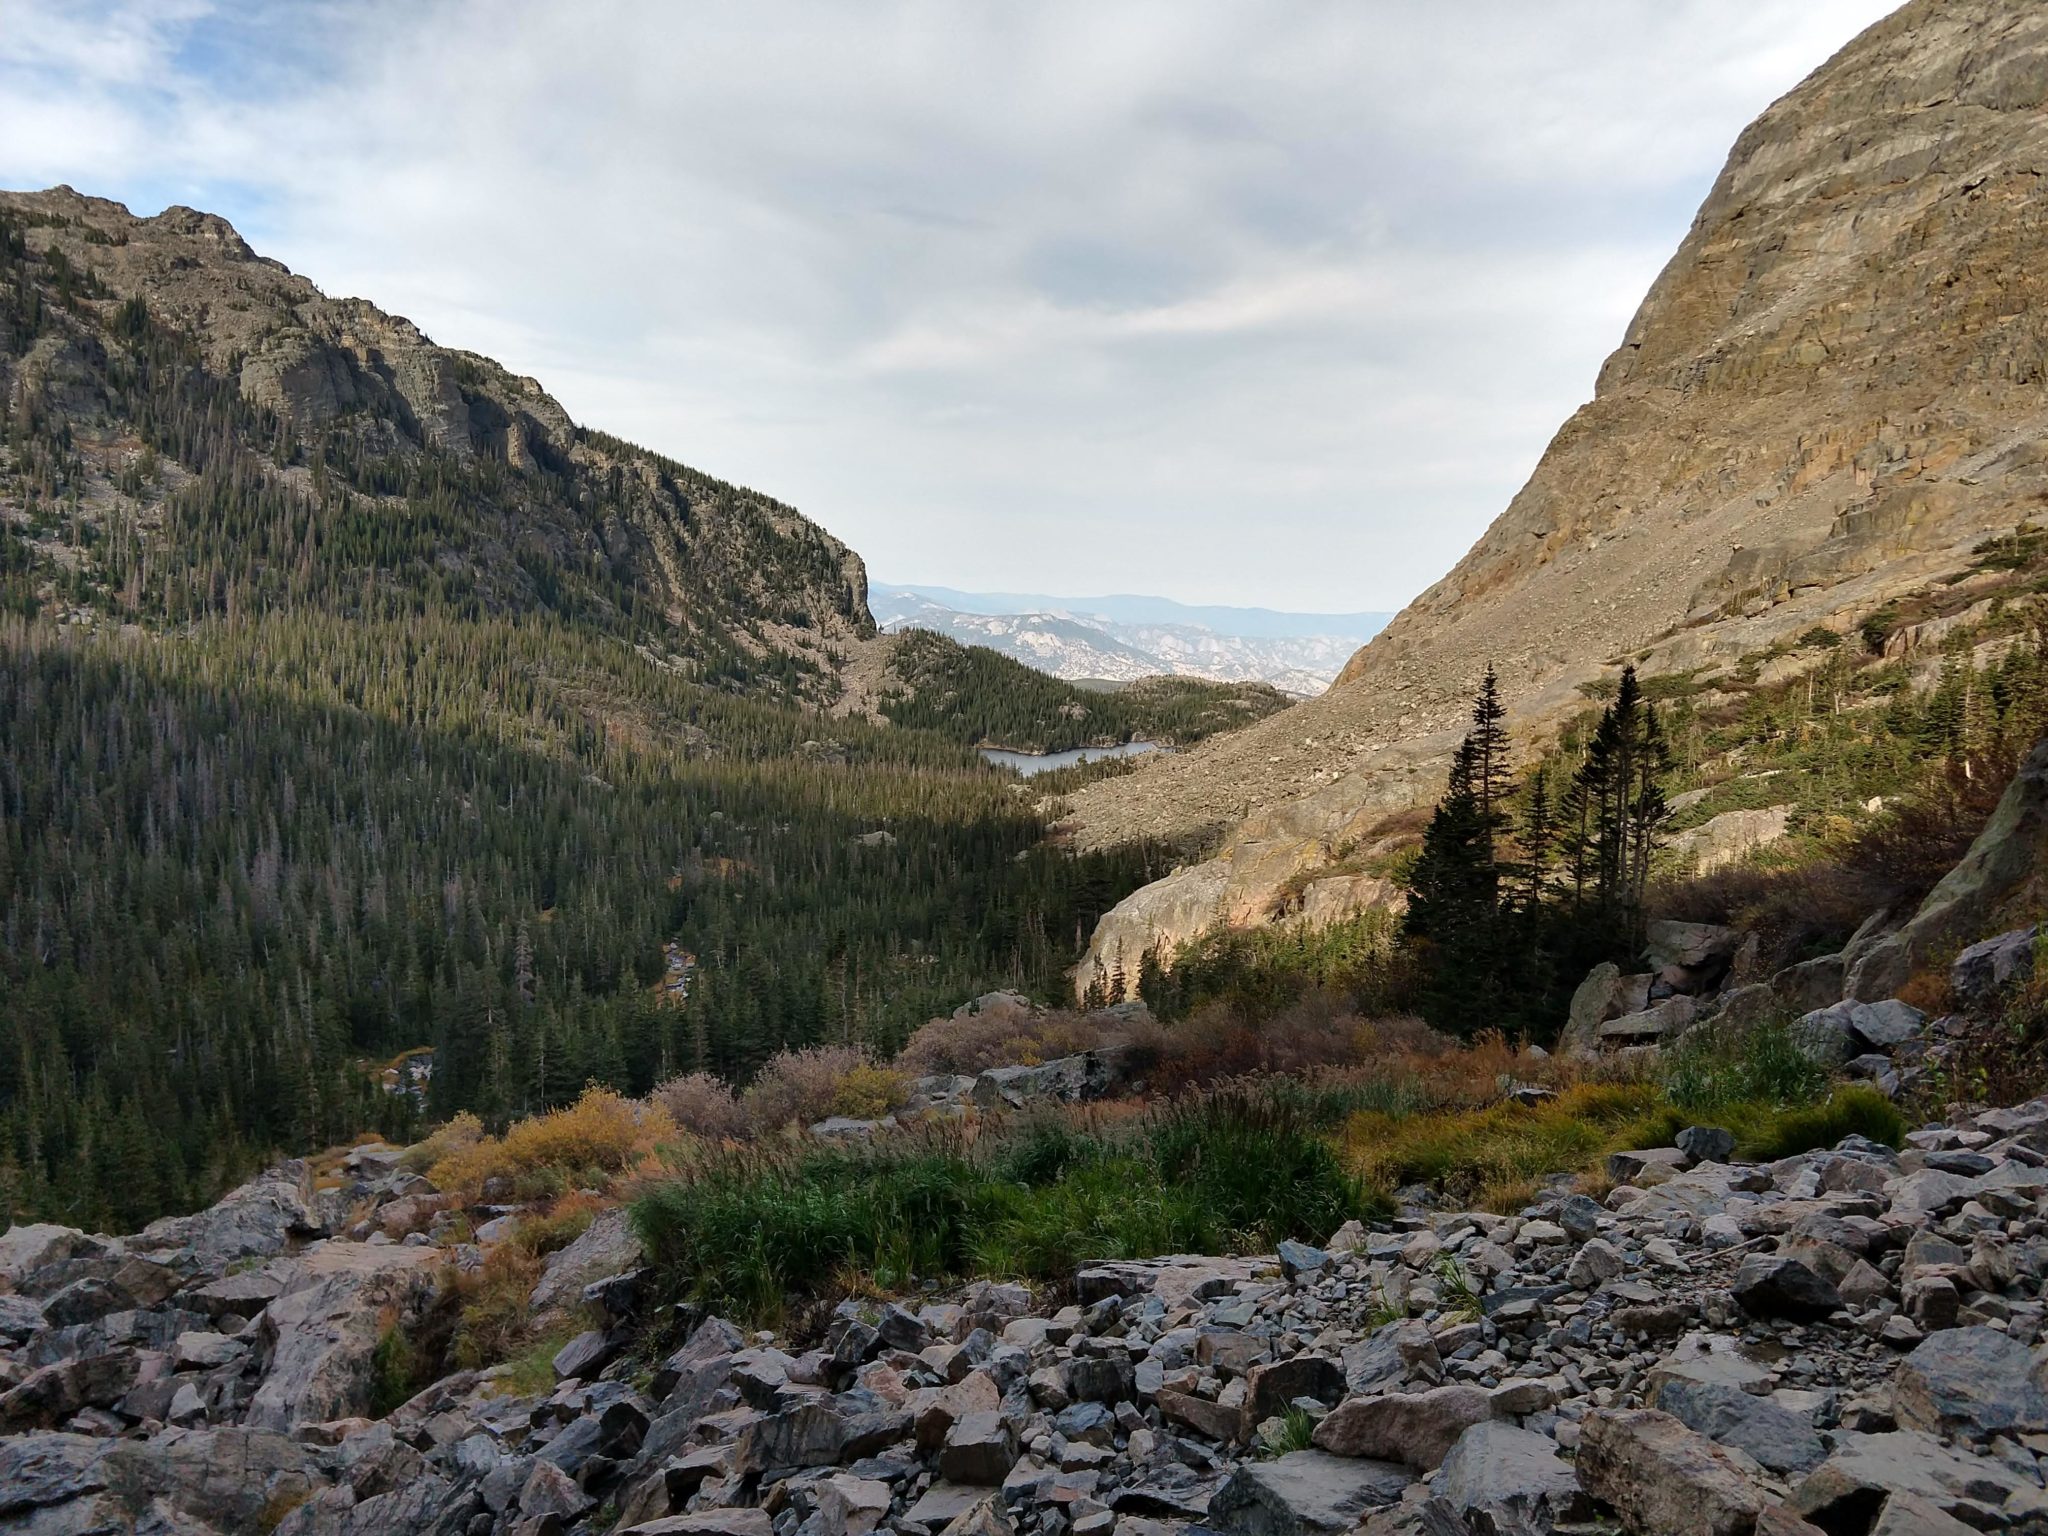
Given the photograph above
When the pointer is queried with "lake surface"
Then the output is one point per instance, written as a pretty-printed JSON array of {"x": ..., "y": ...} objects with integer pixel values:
[{"x": 1028, "y": 763}]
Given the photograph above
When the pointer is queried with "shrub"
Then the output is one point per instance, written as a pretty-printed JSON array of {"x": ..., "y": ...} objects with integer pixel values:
[
  {"x": 398, "y": 1370},
  {"x": 541, "y": 1233},
  {"x": 868, "y": 1092},
  {"x": 704, "y": 1105},
  {"x": 752, "y": 1229},
  {"x": 1010, "y": 1034},
  {"x": 460, "y": 1134},
  {"x": 798, "y": 1087},
  {"x": 1257, "y": 1163},
  {"x": 1111, "y": 1207},
  {"x": 1495, "y": 1155},
  {"x": 480, "y": 1316},
  {"x": 755, "y": 1228},
  {"x": 598, "y": 1137}
]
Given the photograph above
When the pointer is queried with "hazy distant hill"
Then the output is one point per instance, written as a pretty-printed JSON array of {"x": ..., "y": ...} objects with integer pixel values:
[{"x": 1125, "y": 636}]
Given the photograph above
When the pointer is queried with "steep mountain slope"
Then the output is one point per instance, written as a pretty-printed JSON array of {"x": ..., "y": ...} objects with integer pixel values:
[
  {"x": 428, "y": 466},
  {"x": 1830, "y": 396}
]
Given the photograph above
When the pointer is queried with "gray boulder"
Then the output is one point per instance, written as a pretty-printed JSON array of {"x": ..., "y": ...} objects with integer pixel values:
[
  {"x": 319, "y": 1337},
  {"x": 1826, "y": 1036},
  {"x": 181, "y": 1480},
  {"x": 1772, "y": 1285},
  {"x": 1886, "y": 1025},
  {"x": 1777, "y": 1438},
  {"x": 1504, "y": 1479},
  {"x": 1843, "y": 1491},
  {"x": 1969, "y": 1381},
  {"x": 1304, "y": 1493},
  {"x": 271, "y": 1214},
  {"x": 1983, "y": 973},
  {"x": 608, "y": 1246},
  {"x": 1591, "y": 1006},
  {"x": 1706, "y": 1143},
  {"x": 980, "y": 1449}
]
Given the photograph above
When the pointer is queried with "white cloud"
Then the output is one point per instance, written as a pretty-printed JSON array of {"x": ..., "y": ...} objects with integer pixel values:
[{"x": 1271, "y": 302}]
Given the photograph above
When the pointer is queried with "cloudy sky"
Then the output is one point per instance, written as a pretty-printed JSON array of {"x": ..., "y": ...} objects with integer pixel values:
[{"x": 1270, "y": 303}]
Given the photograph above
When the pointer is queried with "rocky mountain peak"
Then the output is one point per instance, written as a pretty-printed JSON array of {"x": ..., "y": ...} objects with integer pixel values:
[
  {"x": 729, "y": 568},
  {"x": 1828, "y": 399}
]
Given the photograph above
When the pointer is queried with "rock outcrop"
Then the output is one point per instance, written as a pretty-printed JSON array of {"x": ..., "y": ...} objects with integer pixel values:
[{"x": 1828, "y": 398}]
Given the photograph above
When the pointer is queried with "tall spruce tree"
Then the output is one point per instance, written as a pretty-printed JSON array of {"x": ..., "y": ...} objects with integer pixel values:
[{"x": 1454, "y": 896}]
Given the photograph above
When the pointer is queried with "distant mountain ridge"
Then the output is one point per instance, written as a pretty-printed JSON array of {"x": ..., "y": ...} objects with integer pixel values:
[{"x": 1124, "y": 637}]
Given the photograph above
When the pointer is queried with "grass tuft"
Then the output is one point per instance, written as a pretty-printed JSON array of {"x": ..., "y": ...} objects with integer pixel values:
[{"x": 752, "y": 1230}]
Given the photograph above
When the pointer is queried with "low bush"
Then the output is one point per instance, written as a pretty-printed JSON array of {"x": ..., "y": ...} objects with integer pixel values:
[
  {"x": 1714, "y": 1067},
  {"x": 1852, "y": 1111},
  {"x": 588, "y": 1143},
  {"x": 800, "y": 1087},
  {"x": 459, "y": 1134},
  {"x": 868, "y": 1092},
  {"x": 398, "y": 1370},
  {"x": 752, "y": 1229},
  {"x": 704, "y": 1105},
  {"x": 1006, "y": 1034},
  {"x": 1495, "y": 1156}
]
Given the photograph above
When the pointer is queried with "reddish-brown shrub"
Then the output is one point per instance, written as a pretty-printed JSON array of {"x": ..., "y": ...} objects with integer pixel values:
[
  {"x": 705, "y": 1105},
  {"x": 800, "y": 1087},
  {"x": 1006, "y": 1034}
]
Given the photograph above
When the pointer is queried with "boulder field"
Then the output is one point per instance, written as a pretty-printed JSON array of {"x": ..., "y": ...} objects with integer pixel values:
[{"x": 1845, "y": 1341}]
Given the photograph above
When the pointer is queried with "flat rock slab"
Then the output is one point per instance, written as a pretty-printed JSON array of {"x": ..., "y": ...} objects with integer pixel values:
[
  {"x": 1304, "y": 1492},
  {"x": 1779, "y": 1439},
  {"x": 1415, "y": 1428}
]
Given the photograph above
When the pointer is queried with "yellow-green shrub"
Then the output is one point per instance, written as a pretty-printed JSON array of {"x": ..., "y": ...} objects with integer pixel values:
[
  {"x": 600, "y": 1136},
  {"x": 868, "y": 1092}
]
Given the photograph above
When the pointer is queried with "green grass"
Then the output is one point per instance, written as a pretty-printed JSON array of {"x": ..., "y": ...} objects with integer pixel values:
[
  {"x": 398, "y": 1370},
  {"x": 1496, "y": 1155},
  {"x": 1296, "y": 1433},
  {"x": 1755, "y": 1083},
  {"x": 751, "y": 1231},
  {"x": 531, "y": 1372}
]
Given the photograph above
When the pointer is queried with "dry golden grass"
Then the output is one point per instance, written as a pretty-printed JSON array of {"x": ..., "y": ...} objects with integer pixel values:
[{"x": 1497, "y": 1154}]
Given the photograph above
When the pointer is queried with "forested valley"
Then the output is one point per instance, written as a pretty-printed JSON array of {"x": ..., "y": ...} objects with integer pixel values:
[{"x": 320, "y": 748}]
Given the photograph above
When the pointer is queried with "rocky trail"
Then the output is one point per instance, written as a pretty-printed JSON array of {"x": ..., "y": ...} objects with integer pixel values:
[{"x": 1845, "y": 1341}]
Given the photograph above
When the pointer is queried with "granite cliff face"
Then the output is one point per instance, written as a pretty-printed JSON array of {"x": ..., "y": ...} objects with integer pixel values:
[
  {"x": 1833, "y": 392},
  {"x": 339, "y": 383}
]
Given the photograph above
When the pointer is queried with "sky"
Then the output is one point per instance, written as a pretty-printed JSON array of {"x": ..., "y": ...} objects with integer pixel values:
[{"x": 1268, "y": 303}]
